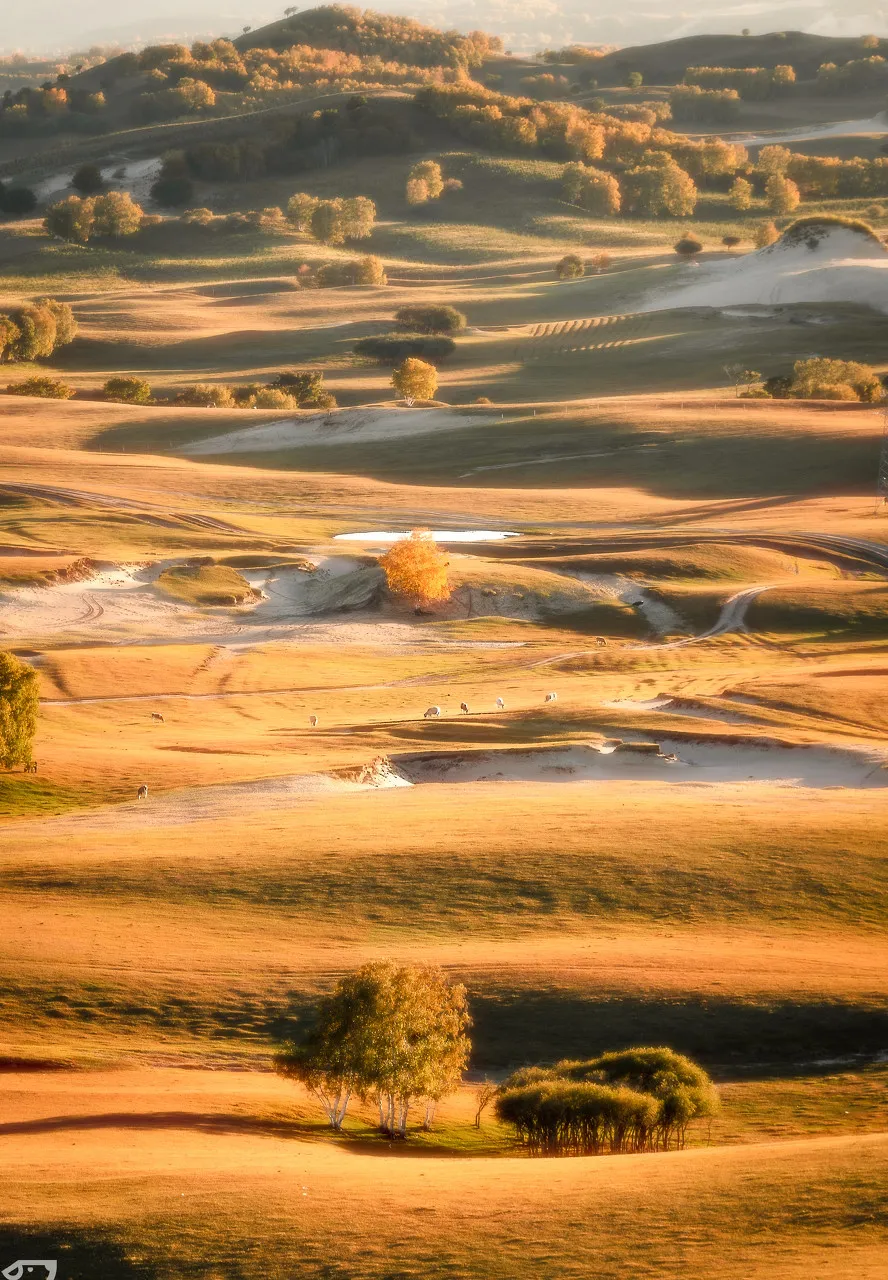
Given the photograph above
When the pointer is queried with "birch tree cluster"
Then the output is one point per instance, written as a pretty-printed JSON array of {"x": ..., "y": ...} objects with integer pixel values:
[{"x": 392, "y": 1036}]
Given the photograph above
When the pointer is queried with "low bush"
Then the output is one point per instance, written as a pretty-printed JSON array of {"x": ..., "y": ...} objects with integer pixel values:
[
  {"x": 207, "y": 396},
  {"x": 570, "y": 267},
  {"x": 45, "y": 388},
  {"x": 366, "y": 271},
  {"x": 633, "y": 1100},
  {"x": 430, "y": 319},
  {"x": 128, "y": 390}
]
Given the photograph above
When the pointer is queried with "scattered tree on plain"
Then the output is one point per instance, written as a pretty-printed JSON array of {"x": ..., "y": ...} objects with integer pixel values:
[
  {"x": 594, "y": 190},
  {"x": 391, "y": 1035},
  {"x": 570, "y": 267},
  {"x": 19, "y": 707},
  {"x": 688, "y": 247},
  {"x": 659, "y": 186},
  {"x": 416, "y": 569},
  {"x": 415, "y": 380},
  {"x": 741, "y": 194},
  {"x": 425, "y": 182},
  {"x": 742, "y": 377},
  {"x": 87, "y": 179},
  {"x": 782, "y": 194},
  {"x": 765, "y": 234}
]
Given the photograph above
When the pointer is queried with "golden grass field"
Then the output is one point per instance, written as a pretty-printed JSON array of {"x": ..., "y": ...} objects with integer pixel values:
[{"x": 153, "y": 951}]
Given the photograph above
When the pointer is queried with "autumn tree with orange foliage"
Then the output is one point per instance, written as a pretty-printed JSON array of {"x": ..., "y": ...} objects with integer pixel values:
[{"x": 416, "y": 570}]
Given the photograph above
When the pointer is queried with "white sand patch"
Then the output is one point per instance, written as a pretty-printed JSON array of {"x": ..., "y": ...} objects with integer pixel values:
[
  {"x": 681, "y": 707},
  {"x": 660, "y": 617},
  {"x": 209, "y": 804},
  {"x": 340, "y": 426},
  {"x": 679, "y": 761},
  {"x": 137, "y": 177},
  {"x": 439, "y": 535},
  {"x": 839, "y": 266},
  {"x": 838, "y": 129}
]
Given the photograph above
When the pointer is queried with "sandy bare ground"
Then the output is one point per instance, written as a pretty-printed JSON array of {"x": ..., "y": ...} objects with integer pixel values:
[
  {"x": 845, "y": 266},
  {"x": 339, "y": 427}
]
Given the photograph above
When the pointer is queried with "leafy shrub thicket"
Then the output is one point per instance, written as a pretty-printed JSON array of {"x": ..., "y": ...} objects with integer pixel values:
[
  {"x": 860, "y": 75},
  {"x": 45, "y": 388},
  {"x": 634, "y": 1100},
  {"x": 289, "y": 390},
  {"x": 751, "y": 83},
  {"x": 639, "y": 167},
  {"x": 570, "y": 267},
  {"x": 37, "y": 112},
  {"x": 366, "y": 271},
  {"x": 79, "y": 219},
  {"x": 36, "y": 330},
  {"x": 430, "y": 319},
  {"x": 19, "y": 708},
  {"x": 690, "y": 103},
  {"x": 128, "y": 390},
  {"x": 351, "y": 30}
]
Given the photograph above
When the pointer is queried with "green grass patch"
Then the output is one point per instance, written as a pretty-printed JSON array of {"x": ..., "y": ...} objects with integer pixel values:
[
  {"x": 31, "y": 796},
  {"x": 206, "y": 584}
]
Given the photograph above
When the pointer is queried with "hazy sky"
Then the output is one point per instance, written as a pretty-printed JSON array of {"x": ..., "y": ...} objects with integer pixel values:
[{"x": 54, "y": 26}]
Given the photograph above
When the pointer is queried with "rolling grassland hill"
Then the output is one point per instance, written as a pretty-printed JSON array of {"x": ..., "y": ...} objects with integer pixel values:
[{"x": 626, "y": 778}]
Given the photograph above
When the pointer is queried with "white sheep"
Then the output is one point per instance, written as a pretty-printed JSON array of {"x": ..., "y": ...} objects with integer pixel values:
[
  {"x": 432, "y": 713},
  {"x": 551, "y": 697},
  {"x": 500, "y": 704}
]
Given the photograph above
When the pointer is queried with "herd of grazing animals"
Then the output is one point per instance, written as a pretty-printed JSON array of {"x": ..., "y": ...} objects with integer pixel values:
[{"x": 432, "y": 713}]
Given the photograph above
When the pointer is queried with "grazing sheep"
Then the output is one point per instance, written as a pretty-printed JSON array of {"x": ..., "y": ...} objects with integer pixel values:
[
  {"x": 551, "y": 697},
  {"x": 464, "y": 706},
  {"x": 31, "y": 766},
  {"x": 601, "y": 642},
  {"x": 313, "y": 721},
  {"x": 432, "y": 713},
  {"x": 500, "y": 704},
  {"x": 143, "y": 792},
  {"x": 155, "y": 715}
]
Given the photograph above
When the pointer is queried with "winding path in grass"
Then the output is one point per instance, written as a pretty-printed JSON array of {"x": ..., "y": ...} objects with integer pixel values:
[{"x": 731, "y": 618}]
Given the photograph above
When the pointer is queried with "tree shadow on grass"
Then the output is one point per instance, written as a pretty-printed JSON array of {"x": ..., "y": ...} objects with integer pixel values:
[
  {"x": 731, "y": 1037},
  {"x": 80, "y": 1255}
]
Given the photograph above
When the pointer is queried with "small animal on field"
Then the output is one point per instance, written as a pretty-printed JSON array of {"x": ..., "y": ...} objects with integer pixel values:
[
  {"x": 155, "y": 715},
  {"x": 432, "y": 713},
  {"x": 551, "y": 697},
  {"x": 601, "y": 642},
  {"x": 31, "y": 766},
  {"x": 500, "y": 704},
  {"x": 313, "y": 721},
  {"x": 464, "y": 706},
  {"x": 143, "y": 792}
]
